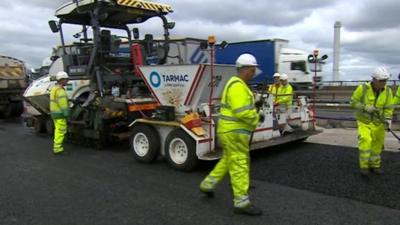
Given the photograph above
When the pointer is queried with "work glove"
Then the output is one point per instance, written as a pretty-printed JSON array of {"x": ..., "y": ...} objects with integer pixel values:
[
  {"x": 388, "y": 124},
  {"x": 370, "y": 108},
  {"x": 258, "y": 104},
  {"x": 262, "y": 118}
]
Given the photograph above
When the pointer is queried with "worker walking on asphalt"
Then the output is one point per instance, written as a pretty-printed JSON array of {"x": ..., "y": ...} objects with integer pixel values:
[
  {"x": 59, "y": 109},
  {"x": 372, "y": 102},
  {"x": 285, "y": 92},
  {"x": 238, "y": 118}
]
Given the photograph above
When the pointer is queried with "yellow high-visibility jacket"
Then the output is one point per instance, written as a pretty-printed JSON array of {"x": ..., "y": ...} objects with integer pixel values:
[
  {"x": 59, "y": 107},
  {"x": 273, "y": 89},
  {"x": 287, "y": 95},
  {"x": 364, "y": 95},
  {"x": 237, "y": 113}
]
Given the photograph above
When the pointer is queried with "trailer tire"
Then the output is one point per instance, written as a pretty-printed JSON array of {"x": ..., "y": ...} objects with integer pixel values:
[
  {"x": 180, "y": 151},
  {"x": 144, "y": 143}
]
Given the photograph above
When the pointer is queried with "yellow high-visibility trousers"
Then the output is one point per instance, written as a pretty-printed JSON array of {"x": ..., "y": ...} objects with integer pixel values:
[
  {"x": 60, "y": 129},
  {"x": 235, "y": 161},
  {"x": 371, "y": 138}
]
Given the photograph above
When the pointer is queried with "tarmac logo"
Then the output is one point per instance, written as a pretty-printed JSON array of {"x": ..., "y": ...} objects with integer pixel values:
[
  {"x": 168, "y": 80},
  {"x": 155, "y": 79}
]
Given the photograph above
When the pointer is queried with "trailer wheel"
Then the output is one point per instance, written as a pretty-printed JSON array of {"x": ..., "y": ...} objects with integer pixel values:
[
  {"x": 180, "y": 150},
  {"x": 144, "y": 143}
]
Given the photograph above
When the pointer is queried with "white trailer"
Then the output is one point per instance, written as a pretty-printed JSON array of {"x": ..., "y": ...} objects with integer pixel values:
[{"x": 189, "y": 88}]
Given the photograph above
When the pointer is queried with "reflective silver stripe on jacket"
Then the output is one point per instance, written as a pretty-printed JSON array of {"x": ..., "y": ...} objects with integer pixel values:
[
  {"x": 244, "y": 108},
  {"x": 229, "y": 118},
  {"x": 241, "y": 131}
]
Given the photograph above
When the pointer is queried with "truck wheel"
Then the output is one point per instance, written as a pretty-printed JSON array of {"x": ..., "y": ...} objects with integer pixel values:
[
  {"x": 144, "y": 143},
  {"x": 18, "y": 108},
  {"x": 180, "y": 150},
  {"x": 39, "y": 125}
]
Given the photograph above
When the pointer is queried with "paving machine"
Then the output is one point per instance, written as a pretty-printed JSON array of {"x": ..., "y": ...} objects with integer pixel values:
[{"x": 107, "y": 91}]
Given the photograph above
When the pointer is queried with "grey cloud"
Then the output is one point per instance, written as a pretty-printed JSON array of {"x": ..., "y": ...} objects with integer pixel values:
[
  {"x": 376, "y": 15},
  {"x": 382, "y": 48},
  {"x": 255, "y": 12}
]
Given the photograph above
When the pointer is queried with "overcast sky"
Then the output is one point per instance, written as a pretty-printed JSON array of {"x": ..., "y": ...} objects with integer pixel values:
[{"x": 370, "y": 32}]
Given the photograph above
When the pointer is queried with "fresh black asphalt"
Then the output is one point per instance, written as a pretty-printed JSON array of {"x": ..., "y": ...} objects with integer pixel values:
[{"x": 294, "y": 184}]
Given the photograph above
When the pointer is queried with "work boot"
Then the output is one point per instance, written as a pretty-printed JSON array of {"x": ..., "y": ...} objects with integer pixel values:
[
  {"x": 377, "y": 171},
  {"x": 249, "y": 210},
  {"x": 208, "y": 193},
  {"x": 207, "y": 187},
  {"x": 58, "y": 153},
  {"x": 364, "y": 172}
]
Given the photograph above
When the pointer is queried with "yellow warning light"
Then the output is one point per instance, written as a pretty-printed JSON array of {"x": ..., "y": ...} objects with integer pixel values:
[{"x": 211, "y": 40}]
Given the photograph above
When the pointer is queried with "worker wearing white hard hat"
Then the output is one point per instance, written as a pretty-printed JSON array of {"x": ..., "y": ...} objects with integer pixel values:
[
  {"x": 273, "y": 88},
  {"x": 238, "y": 119},
  {"x": 373, "y": 104},
  {"x": 59, "y": 110},
  {"x": 285, "y": 93}
]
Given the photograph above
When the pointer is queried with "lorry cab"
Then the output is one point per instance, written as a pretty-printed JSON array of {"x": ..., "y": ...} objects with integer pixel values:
[{"x": 293, "y": 62}]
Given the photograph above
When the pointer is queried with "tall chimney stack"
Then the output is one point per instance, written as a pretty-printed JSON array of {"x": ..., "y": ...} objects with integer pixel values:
[{"x": 336, "y": 51}]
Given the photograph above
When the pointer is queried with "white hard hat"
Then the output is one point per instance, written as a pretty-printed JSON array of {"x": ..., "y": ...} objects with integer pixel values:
[
  {"x": 61, "y": 75},
  {"x": 246, "y": 59},
  {"x": 381, "y": 73},
  {"x": 276, "y": 75},
  {"x": 283, "y": 76}
]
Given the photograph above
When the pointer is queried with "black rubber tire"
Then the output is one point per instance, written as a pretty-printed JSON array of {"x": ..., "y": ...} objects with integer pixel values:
[
  {"x": 191, "y": 160},
  {"x": 18, "y": 108},
  {"x": 153, "y": 141}
]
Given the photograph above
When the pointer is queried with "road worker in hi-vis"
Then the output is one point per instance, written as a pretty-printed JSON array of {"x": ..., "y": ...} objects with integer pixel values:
[
  {"x": 273, "y": 88},
  {"x": 285, "y": 92},
  {"x": 59, "y": 109},
  {"x": 238, "y": 119},
  {"x": 373, "y": 104}
]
